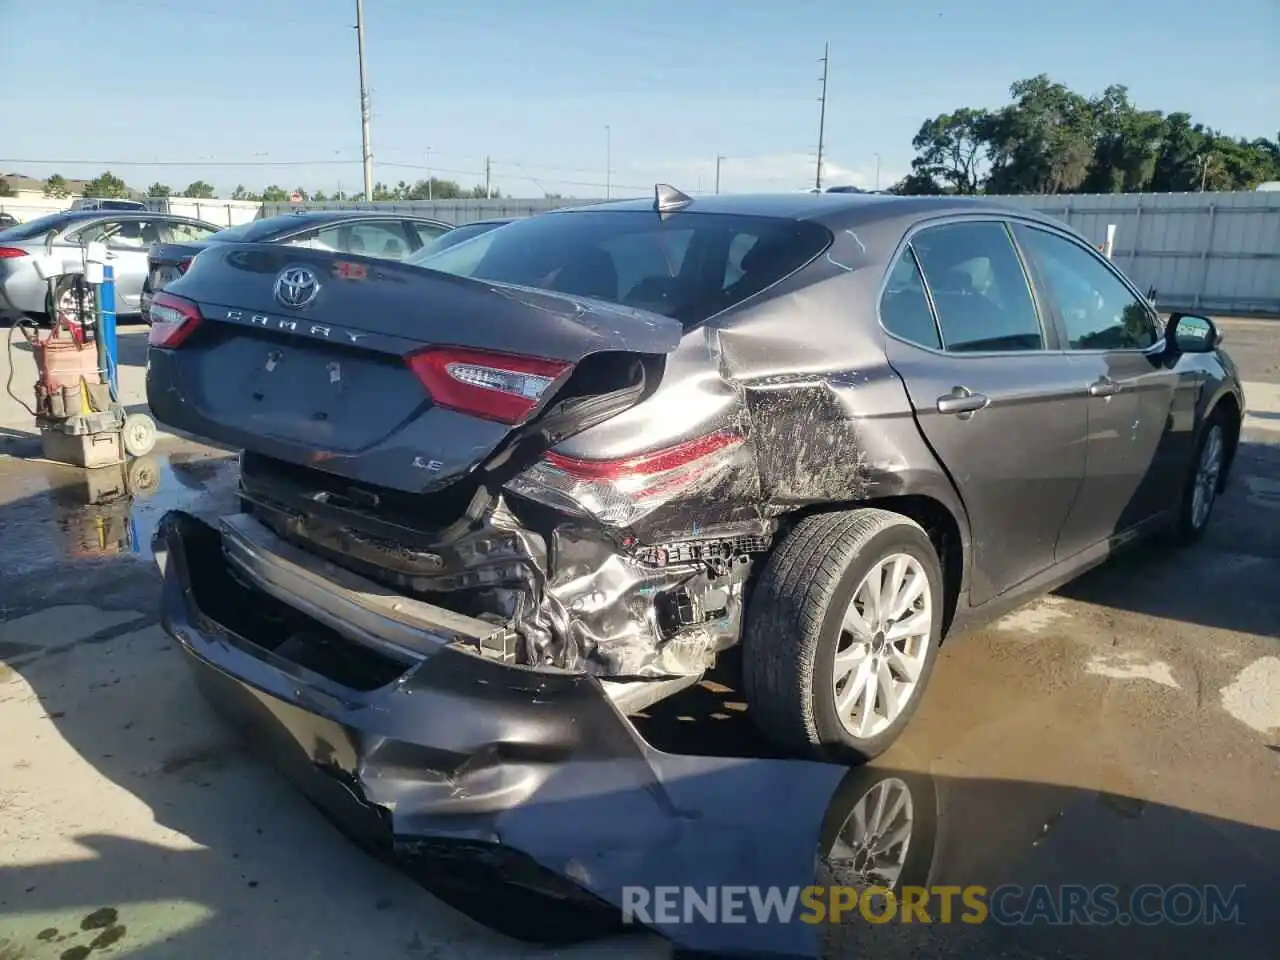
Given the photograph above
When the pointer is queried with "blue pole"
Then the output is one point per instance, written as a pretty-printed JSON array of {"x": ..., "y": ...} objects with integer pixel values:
[{"x": 107, "y": 294}]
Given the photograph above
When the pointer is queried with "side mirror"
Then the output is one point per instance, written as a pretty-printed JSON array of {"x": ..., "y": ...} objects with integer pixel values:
[{"x": 1190, "y": 333}]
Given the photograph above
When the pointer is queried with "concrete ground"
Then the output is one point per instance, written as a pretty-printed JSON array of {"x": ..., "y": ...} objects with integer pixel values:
[{"x": 1124, "y": 730}]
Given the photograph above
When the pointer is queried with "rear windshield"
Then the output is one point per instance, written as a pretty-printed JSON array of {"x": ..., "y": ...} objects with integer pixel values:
[
  {"x": 689, "y": 266},
  {"x": 37, "y": 227}
]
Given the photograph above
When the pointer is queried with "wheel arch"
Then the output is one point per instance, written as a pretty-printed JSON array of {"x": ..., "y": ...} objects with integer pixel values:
[
  {"x": 1227, "y": 405},
  {"x": 947, "y": 532}
]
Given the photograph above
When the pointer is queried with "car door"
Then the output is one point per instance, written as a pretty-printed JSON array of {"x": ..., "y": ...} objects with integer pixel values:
[
  {"x": 128, "y": 240},
  {"x": 1134, "y": 465},
  {"x": 1003, "y": 409}
]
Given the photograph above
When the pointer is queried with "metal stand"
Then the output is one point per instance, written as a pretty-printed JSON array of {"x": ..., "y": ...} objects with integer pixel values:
[{"x": 106, "y": 434}]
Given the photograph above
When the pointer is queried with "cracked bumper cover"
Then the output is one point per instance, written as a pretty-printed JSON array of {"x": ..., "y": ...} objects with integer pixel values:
[
  {"x": 538, "y": 773},
  {"x": 456, "y": 733}
]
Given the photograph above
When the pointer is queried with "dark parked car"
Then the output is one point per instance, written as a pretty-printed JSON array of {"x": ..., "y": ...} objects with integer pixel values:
[
  {"x": 582, "y": 455},
  {"x": 391, "y": 236}
]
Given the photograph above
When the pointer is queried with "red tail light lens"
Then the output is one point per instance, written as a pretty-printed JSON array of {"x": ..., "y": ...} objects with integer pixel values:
[
  {"x": 184, "y": 263},
  {"x": 12, "y": 253},
  {"x": 492, "y": 386},
  {"x": 173, "y": 319},
  {"x": 621, "y": 492}
]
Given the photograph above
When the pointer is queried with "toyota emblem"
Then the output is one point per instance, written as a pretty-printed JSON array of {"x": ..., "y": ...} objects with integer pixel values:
[{"x": 297, "y": 287}]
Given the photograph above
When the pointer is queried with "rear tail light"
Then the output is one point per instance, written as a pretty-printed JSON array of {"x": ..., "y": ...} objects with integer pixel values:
[
  {"x": 184, "y": 263},
  {"x": 621, "y": 492},
  {"x": 12, "y": 253},
  {"x": 173, "y": 319},
  {"x": 491, "y": 386}
]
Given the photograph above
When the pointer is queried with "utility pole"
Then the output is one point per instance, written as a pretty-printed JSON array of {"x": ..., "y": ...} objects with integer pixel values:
[
  {"x": 364, "y": 105},
  {"x": 822, "y": 114},
  {"x": 429, "y": 197},
  {"x": 877, "y": 171},
  {"x": 608, "y": 162},
  {"x": 488, "y": 187},
  {"x": 719, "y": 159}
]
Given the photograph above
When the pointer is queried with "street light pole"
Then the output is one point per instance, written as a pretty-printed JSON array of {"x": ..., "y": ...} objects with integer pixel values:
[
  {"x": 608, "y": 162},
  {"x": 429, "y": 197},
  {"x": 364, "y": 105},
  {"x": 822, "y": 114},
  {"x": 877, "y": 171},
  {"x": 719, "y": 159}
]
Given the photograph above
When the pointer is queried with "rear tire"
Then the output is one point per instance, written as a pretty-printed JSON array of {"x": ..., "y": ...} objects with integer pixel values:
[
  {"x": 814, "y": 601},
  {"x": 1203, "y": 481}
]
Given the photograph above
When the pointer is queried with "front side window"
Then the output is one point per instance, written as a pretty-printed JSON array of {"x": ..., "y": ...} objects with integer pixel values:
[
  {"x": 1098, "y": 310},
  {"x": 121, "y": 235},
  {"x": 681, "y": 266},
  {"x": 979, "y": 288}
]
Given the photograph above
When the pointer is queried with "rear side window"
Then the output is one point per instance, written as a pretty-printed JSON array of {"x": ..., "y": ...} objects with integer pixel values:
[
  {"x": 979, "y": 288},
  {"x": 682, "y": 266},
  {"x": 904, "y": 307},
  {"x": 426, "y": 232}
]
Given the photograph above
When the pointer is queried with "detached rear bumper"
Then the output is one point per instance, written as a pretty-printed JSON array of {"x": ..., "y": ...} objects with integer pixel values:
[{"x": 382, "y": 709}]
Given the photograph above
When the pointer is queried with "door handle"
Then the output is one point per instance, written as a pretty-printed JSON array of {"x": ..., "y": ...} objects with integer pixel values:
[
  {"x": 1104, "y": 387},
  {"x": 961, "y": 400}
]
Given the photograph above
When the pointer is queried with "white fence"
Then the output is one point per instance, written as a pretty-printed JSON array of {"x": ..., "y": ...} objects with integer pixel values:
[
  {"x": 222, "y": 213},
  {"x": 1216, "y": 252}
]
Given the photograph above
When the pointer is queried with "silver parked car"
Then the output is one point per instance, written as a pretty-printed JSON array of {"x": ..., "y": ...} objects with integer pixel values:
[{"x": 128, "y": 236}]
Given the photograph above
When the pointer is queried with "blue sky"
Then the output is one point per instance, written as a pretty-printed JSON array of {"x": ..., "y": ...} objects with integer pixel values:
[{"x": 232, "y": 90}]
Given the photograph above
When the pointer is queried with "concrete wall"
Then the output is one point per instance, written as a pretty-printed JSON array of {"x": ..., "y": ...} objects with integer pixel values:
[{"x": 1219, "y": 252}]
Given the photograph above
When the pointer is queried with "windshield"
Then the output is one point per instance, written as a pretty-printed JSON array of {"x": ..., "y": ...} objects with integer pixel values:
[
  {"x": 690, "y": 266},
  {"x": 37, "y": 227}
]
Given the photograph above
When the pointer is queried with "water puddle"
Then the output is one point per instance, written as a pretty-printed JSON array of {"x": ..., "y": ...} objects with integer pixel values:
[{"x": 51, "y": 514}]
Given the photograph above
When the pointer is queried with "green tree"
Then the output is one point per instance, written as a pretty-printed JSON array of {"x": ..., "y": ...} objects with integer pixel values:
[
  {"x": 274, "y": 194},
  {"x": 106, "y": 185},
  {"x": 159, "y": 190},
  {"x": 56, "y": 187},
  {"x": 319, "y": 196},
  {"x": 5, "y": 189},
  {"x": 951, "y": 150},
  {"x": 302, "y": 194},
  {"x": 1050, "y": 139},
  {"x": 199, "y": 191},
  {"x": 242, "y": 193}
]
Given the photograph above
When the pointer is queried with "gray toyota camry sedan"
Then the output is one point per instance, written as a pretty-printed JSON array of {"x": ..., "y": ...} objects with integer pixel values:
[{"x": 496, "y": 498}]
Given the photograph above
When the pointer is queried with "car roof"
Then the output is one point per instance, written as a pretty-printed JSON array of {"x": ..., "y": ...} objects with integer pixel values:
[
  {"x": 830, "y": 209},
  {"x": 315, "y": 216}
]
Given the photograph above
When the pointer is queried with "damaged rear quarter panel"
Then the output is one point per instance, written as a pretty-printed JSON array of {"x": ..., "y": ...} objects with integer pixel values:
[{"x": 801, "y": 372}]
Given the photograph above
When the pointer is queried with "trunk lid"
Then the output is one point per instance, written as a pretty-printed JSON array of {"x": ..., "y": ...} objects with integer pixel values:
[
  {"x": 166, "y": 262},
  {"x": 370, "y": 369}
]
